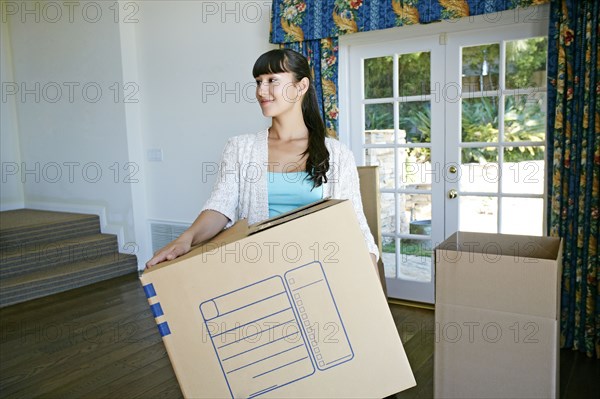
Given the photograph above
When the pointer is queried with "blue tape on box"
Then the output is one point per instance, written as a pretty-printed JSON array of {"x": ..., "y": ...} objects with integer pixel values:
[
  {"x": 149, "y": 290},
  {"x": 156, "y": 309},
  {"x": 163, "y": 329}
]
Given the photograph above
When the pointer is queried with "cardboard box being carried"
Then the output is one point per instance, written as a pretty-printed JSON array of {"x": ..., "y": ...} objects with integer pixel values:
[
  {"x": 290, "y": 308},
  {"x": 496, "y": 313}
]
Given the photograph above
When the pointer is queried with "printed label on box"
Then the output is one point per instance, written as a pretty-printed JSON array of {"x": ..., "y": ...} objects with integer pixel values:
[
  {"x": 316, "y": 306},
  {"x": 269, "y": 334}
]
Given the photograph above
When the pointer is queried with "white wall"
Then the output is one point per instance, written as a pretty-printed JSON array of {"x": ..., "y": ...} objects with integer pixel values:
[
  {"x": 186, "y": 51},
  {"x": 71, "y": 126},
  {"x": 186, "y": 54},
  {"x": 11, "y": 188}
]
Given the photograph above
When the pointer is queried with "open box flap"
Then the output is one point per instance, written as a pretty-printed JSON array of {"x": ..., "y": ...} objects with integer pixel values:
[
  {"x": 241, "y": 230},
  {"x": 541, "y": 247},
  {"x": 291, "y": 215}
]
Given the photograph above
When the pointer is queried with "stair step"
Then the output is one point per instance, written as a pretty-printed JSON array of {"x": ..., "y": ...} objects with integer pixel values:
[
  {"x": 30, "y": 226},
  {"x": 22, "y": 259},
  {"x": 65, "y": 277},
  {"x": 43, "y": 253}
]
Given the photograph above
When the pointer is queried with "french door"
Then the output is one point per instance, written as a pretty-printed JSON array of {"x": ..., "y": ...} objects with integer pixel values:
[{"x": 456, "y": 124}]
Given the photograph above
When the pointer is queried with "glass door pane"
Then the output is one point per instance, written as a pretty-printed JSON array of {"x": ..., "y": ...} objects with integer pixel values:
[
  {"x": 397, "y": 135},
  {"x": 502, "y": 137}
]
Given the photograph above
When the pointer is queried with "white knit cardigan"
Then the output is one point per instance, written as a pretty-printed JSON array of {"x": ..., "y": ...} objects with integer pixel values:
[{"x": 240, "y": 191}]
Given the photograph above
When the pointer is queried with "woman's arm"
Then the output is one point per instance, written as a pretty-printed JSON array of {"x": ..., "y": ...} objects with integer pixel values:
[
  {"x": 218, "y": 211},
  {"x": 205, "y": 227}
]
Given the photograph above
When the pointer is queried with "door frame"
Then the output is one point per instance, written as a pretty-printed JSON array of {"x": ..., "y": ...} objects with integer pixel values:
[{"x": 533, "y": 16}]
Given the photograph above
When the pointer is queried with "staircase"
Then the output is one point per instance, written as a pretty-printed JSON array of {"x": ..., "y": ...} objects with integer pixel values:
[{"x": 43, "y": 253}]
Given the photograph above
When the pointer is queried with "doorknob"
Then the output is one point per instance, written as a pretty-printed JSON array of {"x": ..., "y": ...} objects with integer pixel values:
[{"x": 452, "y": 194}]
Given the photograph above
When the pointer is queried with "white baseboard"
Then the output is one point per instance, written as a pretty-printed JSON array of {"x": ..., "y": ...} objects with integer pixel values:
[{"x": 11, "y": 206}]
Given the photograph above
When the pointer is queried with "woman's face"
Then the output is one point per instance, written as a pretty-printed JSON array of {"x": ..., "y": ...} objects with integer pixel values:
[{"x": 278, "y": 93}]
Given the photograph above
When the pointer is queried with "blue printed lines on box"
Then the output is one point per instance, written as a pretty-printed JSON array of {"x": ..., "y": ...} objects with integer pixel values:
[{"x": 257, "y": 338}]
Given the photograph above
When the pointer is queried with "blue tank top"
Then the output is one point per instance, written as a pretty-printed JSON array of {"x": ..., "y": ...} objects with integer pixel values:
[{"x": 288, "y": 191}]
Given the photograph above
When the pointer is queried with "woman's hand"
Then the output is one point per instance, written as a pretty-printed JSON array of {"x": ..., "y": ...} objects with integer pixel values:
[
  {"x": 178, "y": 247},
  {"x": 205, "y": 227}
]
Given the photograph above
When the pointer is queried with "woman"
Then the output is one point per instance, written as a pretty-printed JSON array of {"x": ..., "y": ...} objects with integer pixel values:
[{"x": 289, "y": 165}]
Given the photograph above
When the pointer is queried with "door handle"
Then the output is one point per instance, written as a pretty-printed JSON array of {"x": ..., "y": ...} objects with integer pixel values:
[{"x": 452, "y": 194}]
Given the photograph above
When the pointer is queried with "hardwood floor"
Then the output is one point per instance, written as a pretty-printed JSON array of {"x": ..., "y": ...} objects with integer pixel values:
[{"x": 102, "y": 341}]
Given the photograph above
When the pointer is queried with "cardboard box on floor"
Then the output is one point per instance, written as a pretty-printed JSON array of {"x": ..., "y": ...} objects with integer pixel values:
[
  {"x": 496, "y": 313},
  {"x": 291, "y": 308}
]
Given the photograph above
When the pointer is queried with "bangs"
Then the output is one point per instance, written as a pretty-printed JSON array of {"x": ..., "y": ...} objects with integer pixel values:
[{"x": 273, "y": 61}]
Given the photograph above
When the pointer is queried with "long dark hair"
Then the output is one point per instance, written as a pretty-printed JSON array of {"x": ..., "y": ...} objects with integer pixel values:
[{"x": 286, "y": 60}]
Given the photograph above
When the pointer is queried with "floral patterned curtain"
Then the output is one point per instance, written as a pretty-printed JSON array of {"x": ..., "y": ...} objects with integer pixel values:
[
  {"x": 312, "y": 27},
  {"x": 574, "y": 165}
]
